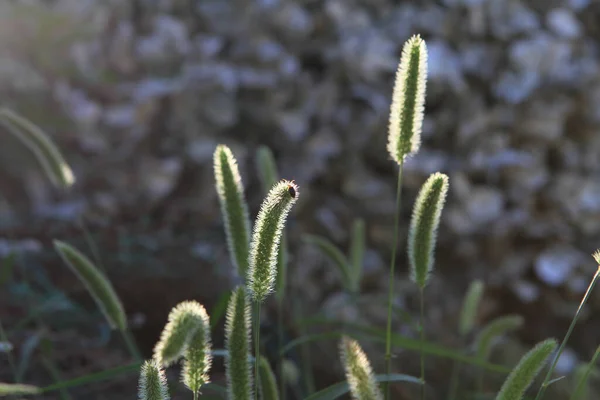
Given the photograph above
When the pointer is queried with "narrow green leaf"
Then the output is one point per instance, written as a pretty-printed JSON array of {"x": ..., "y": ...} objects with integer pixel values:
[
  {"x": 339, "y": 389},
  {"x": 234, "y": 208},
  {"x": 357, "y": 254},
  {"x": 496, "y": 328},
  {"x": 152, "y": 384},
  {"x": 17, "y": 389},
  {"x": 334, "y": 254},
  {"x": 581, "y": 389},
  {"x": 524, "y": 373},
  {"x": 266, "y": 238},
  {"x": 6, "y": 270},
  {"x": 237, "y": 344},
  {"x": 267, "y": 383},
  {"x": 422, "y": 235},
  {"x": 96, "y": 283},
  {"x": 470, "y": 306},
  {"x": 359, "y": 373},
  {"x": 47, "y": 154},
  {"x": 219, "y": 309}
]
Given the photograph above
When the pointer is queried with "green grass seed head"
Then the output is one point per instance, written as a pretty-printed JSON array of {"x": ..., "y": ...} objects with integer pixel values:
[
  {"x": 18, "y": 389},
  {"x": 524, "y": 373},
  {"x": 423, "y": 227},
  {"x": 596, "y": 256},
  {"x": 266, "y": 237},
  {"x": 197, "y": 356},
  {"x": 408, "y": 101},
  {"x": 359, "y": 374},
  {"x": 496, "y": 328},
  {"x": 470, "y": 306},
  {"x": 267, "y": 383},
  {"x": 183, "y": 322},
  {"x": 233, "y": 207},
  {"x": 45, "y": 151},
  {"x": 237, "y": 344},
  {"x": 152, "y": 384},
  {"x": 96, "y": 283}
]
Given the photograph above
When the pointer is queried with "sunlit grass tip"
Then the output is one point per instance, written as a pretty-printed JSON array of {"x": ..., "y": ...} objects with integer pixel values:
[
  {"x": 408, "y": 101},
  {"x": 152, "y": 383},
  {"x": 266, "y": 237},
  {"x": 424, "y": 223},
  {"x": 234, "y": 208},
  {"x": 183, "y": 322},
  {"x": 197, "y": 357},
  {"x": 237, "y": 344},
  {"x": 96, "y": 283},
  {"x": 45, "y": 151},
  {"x": 527, "y": 369},
  {"x": 359, "y": 373}
]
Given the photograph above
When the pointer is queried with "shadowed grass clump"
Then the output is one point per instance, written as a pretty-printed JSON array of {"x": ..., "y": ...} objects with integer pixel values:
[
  {"x": 152, "y": 384},
  {"x": 197, "y": 356},
  {"x": 237, "y": 344},
  {"x": 233, "y": 207},
  {"x": 359, "y": 374},
  {"x": 96, "y": 283}
]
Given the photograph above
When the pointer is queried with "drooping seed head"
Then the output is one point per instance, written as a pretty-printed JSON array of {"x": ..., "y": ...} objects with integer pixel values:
[
  {"x": 469, "y": 309},
  {"x": 237, "y": 344},
  {"x": 96, "y": 283},
  {"x": 524, "y": 373},
  {"x": 406, "y": 112},
  {"x": 45, "y": 151},
  {"x": 267, "y": 382},
  {"x": 234, "y": 208},
  {"x": 358, "y": 371},
  {"x": 266, "y": 237},
  {"x": 152, "y": 384},
  {"x": 425, "y": 220},
  {"x": 184, "y": 320},
  {"x": 197, "y": 356}
]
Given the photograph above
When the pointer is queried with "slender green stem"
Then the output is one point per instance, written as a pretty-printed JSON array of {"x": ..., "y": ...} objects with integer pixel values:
[
  {"x": 131, "y": 345},
  {"x": 388, "y": 337},
  {"x": 456, "y": 365},
  {"x": 544, "y": 386},
  {"x": 422, "y": 339},
  {"x": 280, "y": 345},
  {"x": 9, "y": 354},
  {"x": 195, "y": 395},
  {"x": 256, "y": 349}
]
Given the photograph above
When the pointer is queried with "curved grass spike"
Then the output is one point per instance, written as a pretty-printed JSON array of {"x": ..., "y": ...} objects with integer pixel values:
[
  {"x": 18, "y": 389},
  {"x": 96, "y": 283},
  {"x": 266, "y": 237},
  {"x": 524, "y": 373},
  {"x": 406, "y": 114},
  {"x": 237, "y": 344},
  {"x": 233, "y": 207},
  {"x": 184, "y": 320},
  {"x": 470, "y": 306},
  {"x": 197, "y": 356},
  {"x": 497, "y": 327},
  {"x": 152, "y": 384},
  {"x": 423, "y": 227},
  {"x": 359, "y": 374},
  {"x": 267, "y": 383},
  {"x": 47, "y": 154}
]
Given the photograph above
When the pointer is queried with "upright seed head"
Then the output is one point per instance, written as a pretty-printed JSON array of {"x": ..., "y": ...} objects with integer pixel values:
[
  {"x": 233, "y": 207},
  {"x": 406, "y": 112},
  {"x": 358, "y": 371},
  {"x": 152, "y": 384},
  {"x": 423, "y": 227},
  {"x": 237, "y": 344},
  {"x": 267, "y": 233},
  {"x": 197, "y": 356},
  {"x": 183, "y": 322}
]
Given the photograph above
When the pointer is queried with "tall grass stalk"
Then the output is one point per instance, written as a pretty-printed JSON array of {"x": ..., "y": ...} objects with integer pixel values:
[
  {"x": 256, "y": 348},
  {"x": 545, "y": 384}
]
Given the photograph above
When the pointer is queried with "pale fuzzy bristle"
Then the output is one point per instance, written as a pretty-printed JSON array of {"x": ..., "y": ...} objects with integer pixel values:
[
  {"x": 404, "y": 143},
  {"x": 152, "y": 383},
  {"x": 359, "y": 373},
  {"x": 237, "y": 343},
  {"x": 596, "y": 256}
]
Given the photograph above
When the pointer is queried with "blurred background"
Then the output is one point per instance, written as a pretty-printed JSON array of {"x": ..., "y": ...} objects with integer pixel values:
[{"x": 138, "y": 93}]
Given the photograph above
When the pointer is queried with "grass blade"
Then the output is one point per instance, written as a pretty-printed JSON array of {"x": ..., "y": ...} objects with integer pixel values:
[
  {"x": 18, "y": 389},
  {"x": 334, "y": 253},
  {"x": 267, "y": 383},
  {"x": 357, "y": 254},
  {"x": 339, "y": 389},
  {"x": 497, "y": 327}
]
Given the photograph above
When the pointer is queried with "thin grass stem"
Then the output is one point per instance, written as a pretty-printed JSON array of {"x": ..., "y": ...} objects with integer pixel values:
[
  {"x": 131, "y": 345},
  {"x": 422, "y": 339},
  {"x": 9, "y": 355},
  {"x": 256, "y": 348},
  {"x": 388, "y": 337},
  {"x": 456, "y": 365},
  {"x": 545, "y": 384}
]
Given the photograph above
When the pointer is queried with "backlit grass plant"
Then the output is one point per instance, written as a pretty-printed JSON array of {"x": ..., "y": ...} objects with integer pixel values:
[{"x": 259, "y": 255}]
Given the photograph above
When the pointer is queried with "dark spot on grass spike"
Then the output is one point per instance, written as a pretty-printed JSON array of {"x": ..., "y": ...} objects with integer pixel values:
[{"x": 292, "y": 191}]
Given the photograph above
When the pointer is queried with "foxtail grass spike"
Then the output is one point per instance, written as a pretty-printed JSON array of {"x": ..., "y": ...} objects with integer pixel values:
[
  {"x": 197, "y": 356},
  {"x": 267, "y": 383},
  {"x": 496, "y": 328},
  {"x": 470, "y": 306},
  {"x": 18, "y": 389},
  {"x": 357, "y": 253},
  {"x": 359, "y": 374},
  {"x": 408, "y": 102},
  {"x": 45, "y": 151},
  {"x": 237, "y": 344},
  {"x": 266, "y": 238},
  {"x": 96, "y": 283},
  {"x": 152, "y": 384},
  {"x": 423, "y": 227},
  {"x": 183, "y": 322},
  {"x": 596, "y": 256},
  {"x": 233, "y": 207},
  {"x": 524, "y": 373}
]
